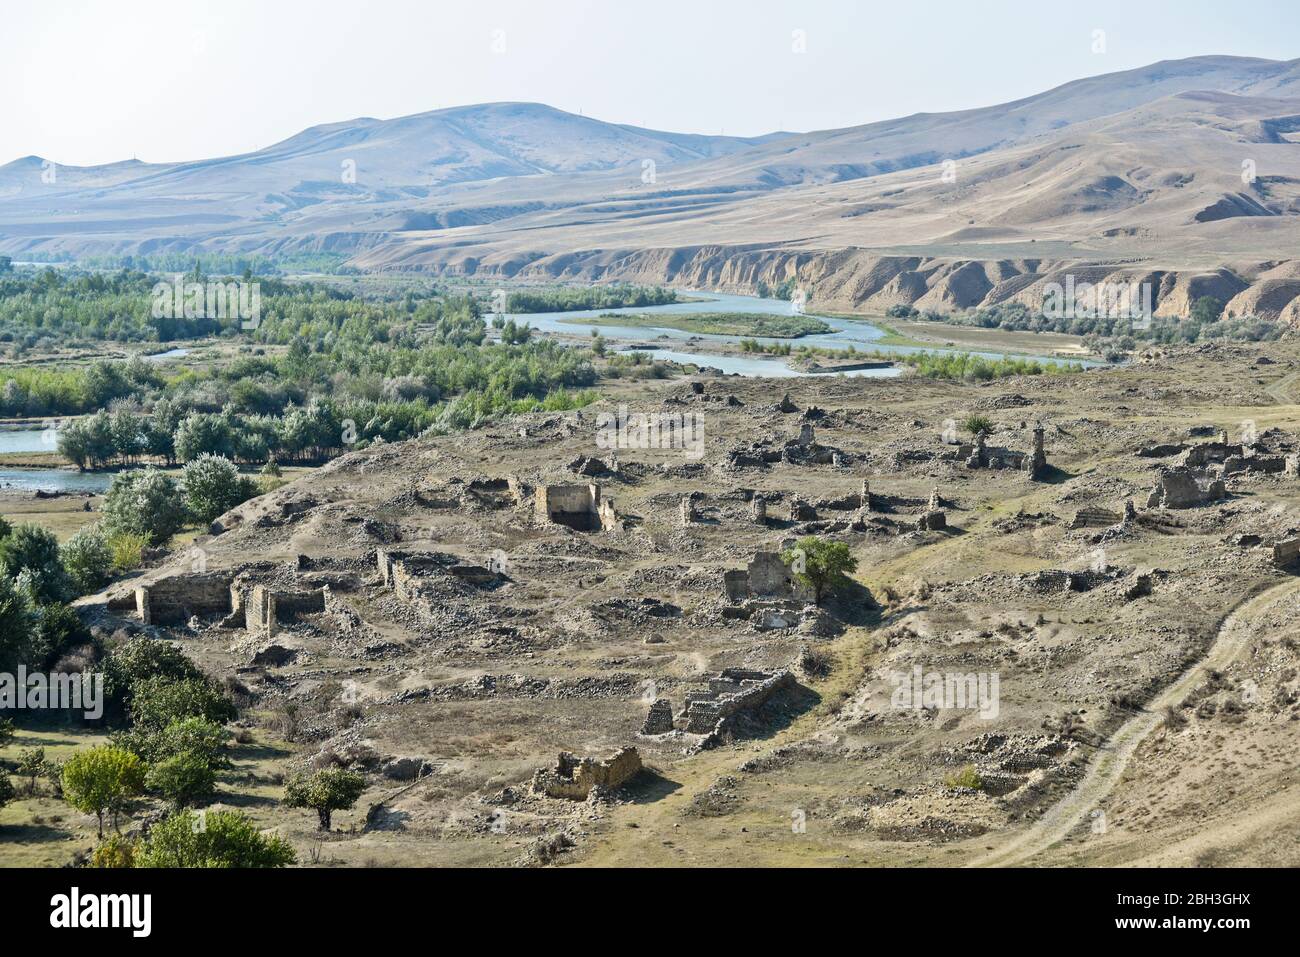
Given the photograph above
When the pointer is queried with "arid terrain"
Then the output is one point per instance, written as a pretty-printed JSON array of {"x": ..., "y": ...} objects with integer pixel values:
[
  {"x": 1183, "y": 174},
  {"x": 449, "y": 614}
]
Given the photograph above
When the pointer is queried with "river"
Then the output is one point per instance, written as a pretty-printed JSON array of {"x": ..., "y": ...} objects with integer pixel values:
[{"x": 860, "y": 334}]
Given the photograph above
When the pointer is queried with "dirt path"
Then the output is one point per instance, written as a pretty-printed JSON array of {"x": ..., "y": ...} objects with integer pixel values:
[
  {"x": 1280, "y": 390},
  {"x": 1108, "y": 767}
]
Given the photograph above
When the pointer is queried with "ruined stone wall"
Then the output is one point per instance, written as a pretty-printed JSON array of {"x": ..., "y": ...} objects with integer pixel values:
[
  {"x": 574, "y": 779},
  {"x": 1286, "y": 552},
  {"x": 176, "y": 598},
  {"x": 576, "y": 506},
  {"x": 265, "y": 605},
  {"x": 733, "y": 692}
]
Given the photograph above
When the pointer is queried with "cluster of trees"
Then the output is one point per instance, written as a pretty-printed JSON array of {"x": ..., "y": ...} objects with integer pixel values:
[
  {"x": 618, "y": 296},
  {"x": 170, "y": 743},
  {"x": 393, "y": 368},
  {"x": 963, "y": 366},
  {"x": 37, "y": 627},
  {"x": 1107, "y": 334}
]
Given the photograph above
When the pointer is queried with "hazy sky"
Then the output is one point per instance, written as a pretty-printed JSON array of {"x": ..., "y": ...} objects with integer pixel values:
[{"x": 95, "y": 82}]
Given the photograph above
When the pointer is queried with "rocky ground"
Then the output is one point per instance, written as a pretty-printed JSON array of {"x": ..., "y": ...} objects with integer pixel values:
[{"x": 526, "y": 638}]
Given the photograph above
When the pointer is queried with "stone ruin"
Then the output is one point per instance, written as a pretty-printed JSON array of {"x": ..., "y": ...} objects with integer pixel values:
[
  {"x": 1286, "y": 552},
  {"x": 805, "y": 450},
  {"x": 419, "y": 578},
  {"x": 576, "y": 779},
  {"x": 1233, "y": 458},
  {"x": 934, "y": 518},
  {"x": 767, "y": 592},
  {"x": 801, "y": 511},
  {"x": 174, "y": 599},
  {"x": 980, "y": 455},
  {"x": 235, "y": 595},
  {"x": 579, "y": 507},
  {"x": 689, "y": 514},
  {"x": 659, "y": 720},
  {"x": 1186, "y": 488},
  {"x": 713, "y": 710},
  {"x": 265, "y": 606}
]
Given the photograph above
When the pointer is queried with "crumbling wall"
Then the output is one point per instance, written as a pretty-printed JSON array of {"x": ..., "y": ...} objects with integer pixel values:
[
  {"x": 1182, "y": 488},
  {"x": 1286, "y": 552},
  {"x": 766, "y": 576},
  {"x": 574, "y": 506},
  {"x": 266, "y": 605},
  {"x": 574, "y": 779},
  {"x": 1095, "y": 518},
  {"x": 175, "y": 598},
  {"x": 734, "y": 691}
]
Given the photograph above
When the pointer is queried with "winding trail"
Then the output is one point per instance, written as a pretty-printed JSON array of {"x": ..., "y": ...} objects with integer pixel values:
[{"x": 1108, "y": 766}]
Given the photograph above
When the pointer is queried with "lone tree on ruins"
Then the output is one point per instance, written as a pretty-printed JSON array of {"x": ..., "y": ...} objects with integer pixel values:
[{"x": 819, "y": 564}]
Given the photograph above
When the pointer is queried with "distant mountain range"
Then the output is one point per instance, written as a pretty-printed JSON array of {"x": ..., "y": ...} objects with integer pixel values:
[{"x": 1186, "y": 172}]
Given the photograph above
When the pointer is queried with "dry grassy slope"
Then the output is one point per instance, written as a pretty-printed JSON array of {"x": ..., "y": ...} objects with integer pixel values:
[
  {"x": 495, "y": 683},
  {"x": 1153, "y": 194}
]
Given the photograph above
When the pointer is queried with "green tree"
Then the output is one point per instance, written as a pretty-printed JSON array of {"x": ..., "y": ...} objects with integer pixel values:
[
  {"x": 212, "y": 486},
  {"x": 325, "y": 792},
  {"x": 6, "y": 732},
  {"x": 17, "y": 627},
  {"x": 87, "y": 559},
  {"x": 144, "y": 503},
  {"x": 193, "y": 735},
  {"x": 31, "y": 765},
  {"x": 203, "y": 433},
  {"x": 58, "y": 628},
  {"x": 158, "y": 701},
  {"x": 139, "y": 658},
  {"x": 6, "y": 789},
  {"x": 820, "y": 564},
  {"x": 212, "y": 839},
  {"x": 102, "y": 780},
  {"x": 1207, "y": 309},
  {"x": 183, "y": 779},
  {"x": 36, "y": 550}
]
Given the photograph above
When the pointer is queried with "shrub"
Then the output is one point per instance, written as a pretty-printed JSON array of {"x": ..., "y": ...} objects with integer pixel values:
[
  {"x": 146, "y": 503},
  {"x": 967, "y": 777},
  {"x": 159, "y": 701},
  {"x": 324, "y": 792},
  {"x": 975, "y": 424},
  {"x": 182, "y": 779},
  {"x": 17, "y": 626},
  {"x": 35, "y": 550},
  {"x": 87, "y": 558},
  {"x": 116, "y": 852},
  {"x": 126, "y": 550},
  {"x": 6, "y": 789},
  {"x": 212, "y": 486},
  {"x": 101, "y": 780},
  {"x": 216, "y": 839},
  {"x": 31, "y": 765}
]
